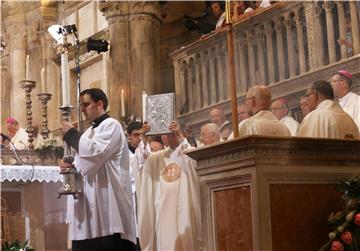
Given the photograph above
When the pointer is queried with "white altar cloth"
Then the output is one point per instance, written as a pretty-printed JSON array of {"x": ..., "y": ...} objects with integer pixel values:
[{"x": 30, "y": 173}]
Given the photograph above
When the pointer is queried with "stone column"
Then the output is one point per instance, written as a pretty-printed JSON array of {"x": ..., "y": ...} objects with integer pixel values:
[
  {"x": 183, "y": 88},
  {"x": 290, "y": 46},
  {"x": 212, "y": 66},
  {"x": 318, "y": 35},
  {"x": 260, "y": 53},
  {"x": 244, "y": 81},
  {"x": 355, "y": 27},
  {"x": 221, "y": 71},
  {"x": 328, "y": 6},
  {"x": 178, "y": 89},
  {"x": 134, "y": 55},
  {"x": 310, "y": 28},
  {"x": 15, "y": 27},
  {"x": 280, "y": 48},
  {"x": 198, "y": 91},
  {"x": 270, "y": 52},
  {"x": 300, "y": 40},
  {"x": 190, "y": 84},
  {"x": 342, "y": 28},
  {"x": 205, "y": 77},
  {"x": 251, "y": 56}
]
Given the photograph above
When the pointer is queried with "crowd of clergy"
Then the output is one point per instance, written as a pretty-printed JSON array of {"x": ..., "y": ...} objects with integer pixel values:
[{"x": 144, "y": 190}]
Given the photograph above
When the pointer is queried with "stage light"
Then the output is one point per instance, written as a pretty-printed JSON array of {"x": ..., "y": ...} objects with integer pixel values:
[{"x": 99, "y": 46}]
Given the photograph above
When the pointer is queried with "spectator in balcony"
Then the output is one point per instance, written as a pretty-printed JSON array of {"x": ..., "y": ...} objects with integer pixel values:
[
  {"x": 218, "y": 11},
  {"x": 341, "y": 82},
  {"x": 280, "y": 109},
  {"x": 326, "y": 118},
  {"x": 17, "y": 134},
  {"x": 210, "y": 134},
  {"x": 263, "y": 122},
  {"x": 217, "y": 116},
  {"x": 304, "y": 106}
]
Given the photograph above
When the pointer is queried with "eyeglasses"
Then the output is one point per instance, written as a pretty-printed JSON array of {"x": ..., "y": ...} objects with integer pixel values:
[{"x": 308, "y": 95}]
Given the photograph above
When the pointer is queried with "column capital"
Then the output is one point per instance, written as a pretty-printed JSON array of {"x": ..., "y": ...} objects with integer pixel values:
[
  {"x": 243, "y": 41},
  {"x": 15, "y": 28},
  {"x": 328, "y": 6},
  {"x": 339, "y": 3},
  {"x": 259, "y": 34},
  {"x": 269, "y": 28},
  {"x": 317, "y": 10},
  {"x": 122, "y": 10},
  {"x": 32, "y": 33},
  {"x": 250, "y": 36},
  {"x": 278, "y": 25}
]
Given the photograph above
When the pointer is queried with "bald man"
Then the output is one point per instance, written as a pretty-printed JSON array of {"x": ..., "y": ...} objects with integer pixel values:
[
  {"x": 210, "y": 134},
  {"x": 327, "y": 119},
  {"x": 217, "y": 116},
  {"x": 279, "y": 108},
  {"x": 263, "y": 122}
]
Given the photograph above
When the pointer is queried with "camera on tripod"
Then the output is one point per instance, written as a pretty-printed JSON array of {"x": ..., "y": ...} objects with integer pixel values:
[{"x": 200, "y": 24}]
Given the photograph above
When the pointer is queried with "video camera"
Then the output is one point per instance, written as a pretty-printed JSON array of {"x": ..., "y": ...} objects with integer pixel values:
[{"x": 200, "y": 24}]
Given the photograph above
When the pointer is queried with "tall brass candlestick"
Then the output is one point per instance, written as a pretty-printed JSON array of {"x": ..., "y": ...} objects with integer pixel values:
[
  {"x": 28, "y": 85},
  {"x": 44, "y": 98}
]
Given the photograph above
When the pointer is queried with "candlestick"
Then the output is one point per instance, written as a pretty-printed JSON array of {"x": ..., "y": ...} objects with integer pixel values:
[
  {"x": 28, "y": 85},
  {"x": 144, "y": 95},
  {"x": 122, "y": 101},
  {"x": 27, "y": 68},
  {"x": 44, "y": 98},
  {"x": 43, "y": 83},
  {"x": 65, "y": 79}
]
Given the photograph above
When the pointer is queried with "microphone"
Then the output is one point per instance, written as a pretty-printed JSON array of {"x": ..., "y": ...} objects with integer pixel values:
[{"x": 5, "y": 137}]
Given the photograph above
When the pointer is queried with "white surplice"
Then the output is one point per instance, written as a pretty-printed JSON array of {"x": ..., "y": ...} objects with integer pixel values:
[
  {"x": 105, "y": 206},
  {"x": 328, "y": 120},
  {"x": 263, "y": 123},
  {"x": 291, "y": 124},
  {"x": 168, "y": 212},
  {"x": 351, "y": 105},
  {"x": 20, "y": 139}
]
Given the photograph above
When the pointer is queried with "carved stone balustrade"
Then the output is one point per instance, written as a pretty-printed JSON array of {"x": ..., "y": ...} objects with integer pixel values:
[
  {"x": 286, "y": 46},
  {"x": 8, "y": 157}
]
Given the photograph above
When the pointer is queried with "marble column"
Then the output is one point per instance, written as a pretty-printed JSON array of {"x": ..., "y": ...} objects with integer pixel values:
[
  {"x": 134, "y": 55},
  {"x": 198, "y": 91},
  {"x": 280, "y": 48},
  {"x": 221, "y": 72},
  {"x": 190, "y": 84},
  {"x": 300, "y": 40},
  {"x": 15, "y": 27},
  {"x": 290, "y": 46},
  {"x": 251, "y": 57},
  {"x": 205, "y": 77},
  {"x": 328, "y": 6},
  {"x": 243, "y": 76},
  {"x": 270, "y": 52},
  {"x": 183, "y": 87},
  {"x": 212, "y": 64},
  {"x": 355, "y": 27},
  {"x": 342, "y": 28},
  {"x": 311, "y": 37},
  {"x": 319, "y": 35},
  {"x": 260, "y": 53}
]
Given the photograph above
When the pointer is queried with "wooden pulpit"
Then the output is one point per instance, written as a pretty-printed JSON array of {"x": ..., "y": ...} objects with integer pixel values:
[{"x": 271, "y": 193}]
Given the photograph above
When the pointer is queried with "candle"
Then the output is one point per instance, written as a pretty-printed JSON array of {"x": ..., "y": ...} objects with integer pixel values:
[
  {"x": 144, "y": 95},
  {"x": 27, "y": 67},
  {"x": 43, "y": 83},
  {"x": 122, "y": 101},
  {"x": 65, "y": 79}
]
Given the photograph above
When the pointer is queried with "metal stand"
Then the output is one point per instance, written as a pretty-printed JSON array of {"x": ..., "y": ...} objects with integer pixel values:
[
  {"x": 44, "y": 98},
  {"x": 28, "y": 85},
  {"x": 69, "y": 183}
]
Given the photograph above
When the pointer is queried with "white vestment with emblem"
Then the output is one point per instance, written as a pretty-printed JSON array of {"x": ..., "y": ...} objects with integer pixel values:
[
  {"x": 169, "y": 201},
  {"x": 351, "y": 105}
]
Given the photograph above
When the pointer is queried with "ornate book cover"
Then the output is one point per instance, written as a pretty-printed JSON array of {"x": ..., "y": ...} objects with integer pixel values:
[{"x": 159, "y": 112}]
